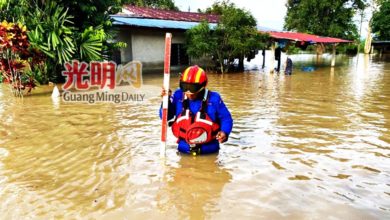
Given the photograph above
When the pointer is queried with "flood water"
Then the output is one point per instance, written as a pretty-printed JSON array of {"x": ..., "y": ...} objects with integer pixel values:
[{"x": 315, "y": 145}]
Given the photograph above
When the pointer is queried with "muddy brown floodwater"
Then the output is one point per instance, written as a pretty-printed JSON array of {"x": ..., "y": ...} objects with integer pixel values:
[{"x": 315, "y": 145}]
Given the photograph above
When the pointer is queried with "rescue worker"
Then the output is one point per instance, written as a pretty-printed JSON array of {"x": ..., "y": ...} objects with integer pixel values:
[{"x": 199, "y": 118}]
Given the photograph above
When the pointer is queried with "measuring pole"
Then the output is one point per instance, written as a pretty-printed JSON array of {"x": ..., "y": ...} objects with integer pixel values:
[{"x": 167, "y": 67}]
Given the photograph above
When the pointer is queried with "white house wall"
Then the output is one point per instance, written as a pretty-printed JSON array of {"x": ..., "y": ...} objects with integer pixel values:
[{"x": 146, "y": 45}]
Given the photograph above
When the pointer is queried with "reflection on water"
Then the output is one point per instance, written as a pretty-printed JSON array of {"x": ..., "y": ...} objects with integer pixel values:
[
  {"x": 193, "y": 188},
  {"x": 311, "y": 145}
]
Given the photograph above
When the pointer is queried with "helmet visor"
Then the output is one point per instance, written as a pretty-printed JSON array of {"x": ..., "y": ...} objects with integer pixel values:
[{"x": 191, "y": 87}]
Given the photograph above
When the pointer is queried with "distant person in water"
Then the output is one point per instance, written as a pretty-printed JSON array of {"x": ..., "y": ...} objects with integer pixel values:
[
  {"x": 201, "y": 120},
  {"x": 288, "y": 66}
]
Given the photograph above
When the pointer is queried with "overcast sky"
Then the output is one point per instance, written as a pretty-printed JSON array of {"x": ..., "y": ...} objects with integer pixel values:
[{"x": 268, "y": 13}]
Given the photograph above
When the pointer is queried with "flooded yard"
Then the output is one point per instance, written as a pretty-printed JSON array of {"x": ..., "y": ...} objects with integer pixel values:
[{"x": 313, "y": 145}]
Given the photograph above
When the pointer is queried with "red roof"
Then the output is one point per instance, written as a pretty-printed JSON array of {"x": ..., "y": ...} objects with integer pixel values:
[
  {"x": 295, "y": 36},
  {"x": 133, "y": 11}
]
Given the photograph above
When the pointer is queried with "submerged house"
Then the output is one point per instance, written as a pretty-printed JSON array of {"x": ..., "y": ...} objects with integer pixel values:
[{"x": 143, "y": 30}]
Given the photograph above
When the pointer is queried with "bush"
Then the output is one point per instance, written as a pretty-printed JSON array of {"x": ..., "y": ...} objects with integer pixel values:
[
  {"x": 349, "y": 49},
  {"x": 16, "y": 58}
]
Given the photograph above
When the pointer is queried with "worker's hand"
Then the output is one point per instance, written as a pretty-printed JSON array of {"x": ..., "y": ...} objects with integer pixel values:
[
  {"x": 163, "y": 92},
  {"x": 221, "y": 137}
]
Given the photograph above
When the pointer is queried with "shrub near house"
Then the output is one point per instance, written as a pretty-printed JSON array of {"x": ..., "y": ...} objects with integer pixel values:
[{"x": 17, "y": 60}]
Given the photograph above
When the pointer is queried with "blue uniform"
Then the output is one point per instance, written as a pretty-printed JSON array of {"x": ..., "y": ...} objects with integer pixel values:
[{"x": 216, "y": 110}]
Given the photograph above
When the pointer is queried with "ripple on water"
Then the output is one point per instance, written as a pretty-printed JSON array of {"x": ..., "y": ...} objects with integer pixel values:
[{"x": 316, "y": 138}]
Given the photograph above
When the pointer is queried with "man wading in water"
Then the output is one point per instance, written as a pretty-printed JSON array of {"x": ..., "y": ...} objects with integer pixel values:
[{"x": 200, "y": 119}]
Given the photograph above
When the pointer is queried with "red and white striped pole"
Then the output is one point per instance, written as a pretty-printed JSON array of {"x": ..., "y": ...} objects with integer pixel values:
[{"x": 167, "y": 67}]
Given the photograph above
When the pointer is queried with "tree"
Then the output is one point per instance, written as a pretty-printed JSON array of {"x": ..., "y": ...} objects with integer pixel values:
[
  {"x": 234, "y": 37},
  {"x": 325, "y": 18},
  {"x": 70, "y": 29},
  {"x": 200, "y": 40},
  {"x": 161, "y": 4},
  {"x": 381, "y": 21}
]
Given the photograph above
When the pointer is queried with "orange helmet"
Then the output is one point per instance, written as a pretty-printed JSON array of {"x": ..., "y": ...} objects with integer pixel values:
[{"x": 193, "y": 79}]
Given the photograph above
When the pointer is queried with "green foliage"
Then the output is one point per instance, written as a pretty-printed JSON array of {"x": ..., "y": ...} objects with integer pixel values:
[
  {"x": 325, "y": 18},
  {"x": 39, "y": 74},
  {"x": 292, "y": 49},
  {"x": 92, "y": 18},
  {"x": 381, "y": 21},
  {"x": 234, "y": 37},
  {"x": 217, "y": 8},
  {"x": 349, "y": 49},
  {"x": 91, "y": 13},
  {"x": 3, "y": 3},
  {"x": 70, "y": 29},
  {"x": 13, "y": 10},
  {"x": 162, "y": 4},
  {"x": 201, "y": 40},
  {"x": 53, "y": 33},
  {"x": 90, "y": 45},
  {"x": 361, "y": 45},
  {"x": 119, "y": 45}
]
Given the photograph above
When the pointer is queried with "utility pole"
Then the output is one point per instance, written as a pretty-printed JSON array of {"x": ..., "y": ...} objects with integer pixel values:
[{"x": 360, "y": 29}]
